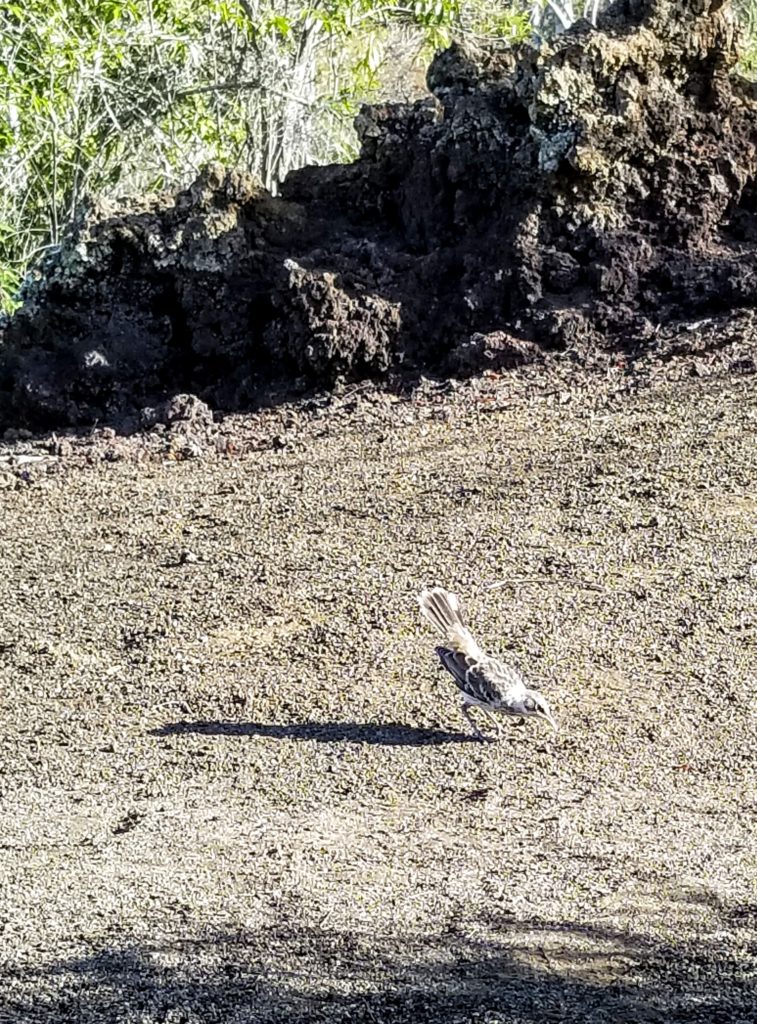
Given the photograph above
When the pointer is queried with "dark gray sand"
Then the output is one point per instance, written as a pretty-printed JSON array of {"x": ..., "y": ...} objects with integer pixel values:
[{"x": 237, "y": 787}]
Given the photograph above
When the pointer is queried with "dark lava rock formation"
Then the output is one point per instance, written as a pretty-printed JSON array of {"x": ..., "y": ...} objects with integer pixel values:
[{"x": 569, "y": 197}]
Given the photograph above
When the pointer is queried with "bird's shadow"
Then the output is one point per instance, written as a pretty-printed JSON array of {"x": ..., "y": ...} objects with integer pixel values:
[{"x": 388, "y": 734}]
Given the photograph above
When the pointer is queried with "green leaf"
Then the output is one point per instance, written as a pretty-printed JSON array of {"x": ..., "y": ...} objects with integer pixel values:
[{"x": 281, "y": 25}]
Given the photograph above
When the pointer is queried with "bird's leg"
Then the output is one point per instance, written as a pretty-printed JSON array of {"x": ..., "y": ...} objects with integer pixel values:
[
  {"x": 493, "y": 718},
  {"x": 476, "y": 731}
]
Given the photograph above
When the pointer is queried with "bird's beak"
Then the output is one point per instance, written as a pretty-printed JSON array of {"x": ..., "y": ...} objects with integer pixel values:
[{"x": 551, "y": 720}]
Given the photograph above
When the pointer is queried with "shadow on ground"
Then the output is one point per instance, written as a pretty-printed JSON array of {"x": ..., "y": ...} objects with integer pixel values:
[
  {"x": 524, "y": 972},
  {"x": 389, "y": 735}
]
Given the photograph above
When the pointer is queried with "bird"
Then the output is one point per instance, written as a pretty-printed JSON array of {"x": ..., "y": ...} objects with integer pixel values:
[{"x": 484, "y": 682}]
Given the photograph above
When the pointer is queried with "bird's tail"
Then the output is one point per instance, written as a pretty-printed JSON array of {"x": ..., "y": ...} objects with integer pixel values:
[{"x": 443, "y": 610}]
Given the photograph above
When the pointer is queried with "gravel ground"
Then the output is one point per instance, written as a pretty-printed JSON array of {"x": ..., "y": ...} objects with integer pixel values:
[{"x": 235, "y": 785}]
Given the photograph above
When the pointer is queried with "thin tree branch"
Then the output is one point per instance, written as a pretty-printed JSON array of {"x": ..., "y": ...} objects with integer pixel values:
[{"x": 240, "y": 86}]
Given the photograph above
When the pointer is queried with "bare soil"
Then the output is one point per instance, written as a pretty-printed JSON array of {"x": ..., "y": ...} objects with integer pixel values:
[{"x": 235, "y": 785}]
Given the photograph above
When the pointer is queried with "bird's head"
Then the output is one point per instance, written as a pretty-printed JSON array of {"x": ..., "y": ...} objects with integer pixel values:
[{"x": 534, "y": 705}]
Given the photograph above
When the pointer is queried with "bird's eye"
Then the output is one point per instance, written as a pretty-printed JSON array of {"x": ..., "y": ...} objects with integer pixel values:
[{"x": 529, "y": 704}]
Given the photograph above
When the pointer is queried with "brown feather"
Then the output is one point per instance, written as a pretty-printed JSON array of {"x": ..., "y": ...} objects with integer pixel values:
[{"x": 443, "y": 610}]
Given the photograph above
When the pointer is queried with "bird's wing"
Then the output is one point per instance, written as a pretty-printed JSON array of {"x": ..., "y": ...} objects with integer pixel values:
[{"x": 484, "y": 679}]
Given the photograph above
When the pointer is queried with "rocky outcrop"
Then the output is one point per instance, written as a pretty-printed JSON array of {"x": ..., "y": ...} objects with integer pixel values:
[{"x": 572, "y": 197}]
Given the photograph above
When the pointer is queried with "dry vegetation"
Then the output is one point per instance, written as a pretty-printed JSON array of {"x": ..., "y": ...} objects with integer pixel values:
[{"x": 234, "y": 783}]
